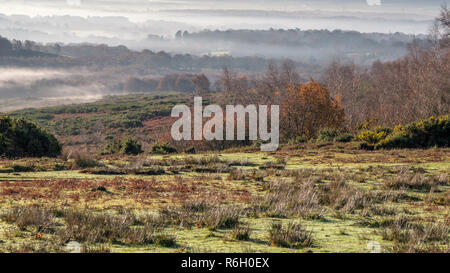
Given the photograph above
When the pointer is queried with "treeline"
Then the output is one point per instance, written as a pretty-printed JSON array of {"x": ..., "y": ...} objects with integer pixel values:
[
  {"x": 411, "y": 88},
  {"x": 315, "y": 46},
  {"x": 349, "y": 40},
  {"x": 97, "y": 57},
  {"x": 16, "y": 48},
  {"x": 188, "y": 83},
  {"x": 349, "y": 98}
]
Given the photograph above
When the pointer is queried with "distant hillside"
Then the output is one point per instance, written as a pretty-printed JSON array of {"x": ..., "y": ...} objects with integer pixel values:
[
  {"x": 9, "y": 49},
  {"x": 111, "y": 117}
]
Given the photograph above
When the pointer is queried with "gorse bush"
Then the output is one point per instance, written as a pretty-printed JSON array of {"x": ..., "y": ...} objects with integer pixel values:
[
  {"x": 20, "y": 138},
  {"x": 426, "y": 133},
  {"x": 163, "y": 148},
  {"x": 333, "y": 135},
  {"x": 345, "y": 137},
  {"x": 128, "y": 146},
  {"x": 131, "y": 147},
  {"x": 421, "y": 134},
  {"x": 374, "y": 136},
  {"x": 327, "y": 135}
]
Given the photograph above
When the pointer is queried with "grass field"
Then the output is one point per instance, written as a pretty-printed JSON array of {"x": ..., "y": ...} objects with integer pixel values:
[{"x": 325, "y": 197}]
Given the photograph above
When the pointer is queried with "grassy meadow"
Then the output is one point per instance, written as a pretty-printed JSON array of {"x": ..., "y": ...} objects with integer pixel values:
[{"x": 327, "y": 197}]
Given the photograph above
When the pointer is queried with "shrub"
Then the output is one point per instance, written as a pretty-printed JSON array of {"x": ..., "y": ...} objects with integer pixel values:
[
  {"x": 340, "y": 195},
  {"x": 426, "y": 133},
  {"x": 297, "y": 140},
  {"x": 84, "y": 161},
  {"x": 327, "y": 135},
  {"x": 165, "y": 240},
  {"x": 221, "y": 217},
  {"x": 40, "y": 218},
  {"x": 307, "y": 108},
  {"x": 291, "y": 236},
  {"x": 374, "y": 136},
  {"x": 421, "y": 134},
  {"x": 20, "y": 138},
  {"x": 128, "y": 146},
  {"x": 163, "y": 148},
  {"x": 291, "y": 199},
  {"x": 88, "y": 227},
  {"x": 241, "y": 233},
  {"x": 413, "y": 181},
  {"x": 344, "y": 138}
]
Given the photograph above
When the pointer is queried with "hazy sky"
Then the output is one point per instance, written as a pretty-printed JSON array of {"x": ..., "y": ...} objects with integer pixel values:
[{"x": 140, "y": 18}]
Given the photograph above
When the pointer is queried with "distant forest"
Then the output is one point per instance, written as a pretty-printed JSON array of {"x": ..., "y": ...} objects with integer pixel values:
[{"x": 106, "y": 70}]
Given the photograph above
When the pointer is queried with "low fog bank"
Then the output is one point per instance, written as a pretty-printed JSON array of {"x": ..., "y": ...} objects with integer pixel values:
[
  {"x": 41, "y": 87},
  {"x": 129, "y": 23}
]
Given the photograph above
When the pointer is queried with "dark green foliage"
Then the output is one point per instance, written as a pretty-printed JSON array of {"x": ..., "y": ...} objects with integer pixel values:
[
  {"x": 20, "y": 138},
  {"x": 333, "y": 135},
  {"x": 431, "y": 132},
  {"x": 112, "y": 147},
  {"x": 127, "y": 146},
  {"x": 22, "y": 168},
  {"x": 345, "y": 137},
  {"x": 163, "y": 148},
  {"x": 297, "y": 140},
  {"x": 421, "y": 134},
  {"x": 131, "y": 147},
  {"x": 327, "y": 135}
]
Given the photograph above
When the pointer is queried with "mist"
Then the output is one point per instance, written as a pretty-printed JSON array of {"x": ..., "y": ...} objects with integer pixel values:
[
  {"x": 42, "y": 87},
  {"x": 84, "y": 49},
  {"x": 117, "y": 22}
]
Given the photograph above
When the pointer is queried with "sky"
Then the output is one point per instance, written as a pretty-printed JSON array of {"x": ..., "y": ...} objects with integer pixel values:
[{"x": 116, "y": 21}]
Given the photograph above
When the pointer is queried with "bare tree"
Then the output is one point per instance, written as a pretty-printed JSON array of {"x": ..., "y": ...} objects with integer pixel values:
[
  {"x": 235, "y": 87},
  {"x": 202, "y": 84}
]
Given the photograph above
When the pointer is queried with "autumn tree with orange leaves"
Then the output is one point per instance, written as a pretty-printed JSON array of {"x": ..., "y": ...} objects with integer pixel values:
[{"x": 307, "y": 108}]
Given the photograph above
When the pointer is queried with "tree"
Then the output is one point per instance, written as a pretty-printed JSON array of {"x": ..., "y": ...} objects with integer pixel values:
[
  {"x": 309, "y": 107},
  {"x": 20, "y": 138},
  {"x": 128, "y": 146},
  {"x": 179, "y": 34},
  {"x": 440, "y": 30},
  {"x": 167, "y": 83},
  {"x": 276, "y": 80},
  {"x": 184, "y": 83},
  {"x": 5, "y": 46},
  {"x": 234, "y": 88},
  {"x": 352, "y": 86},
  {"x": 444, "y": 19},
  {"x": 202, "y": 84}
]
